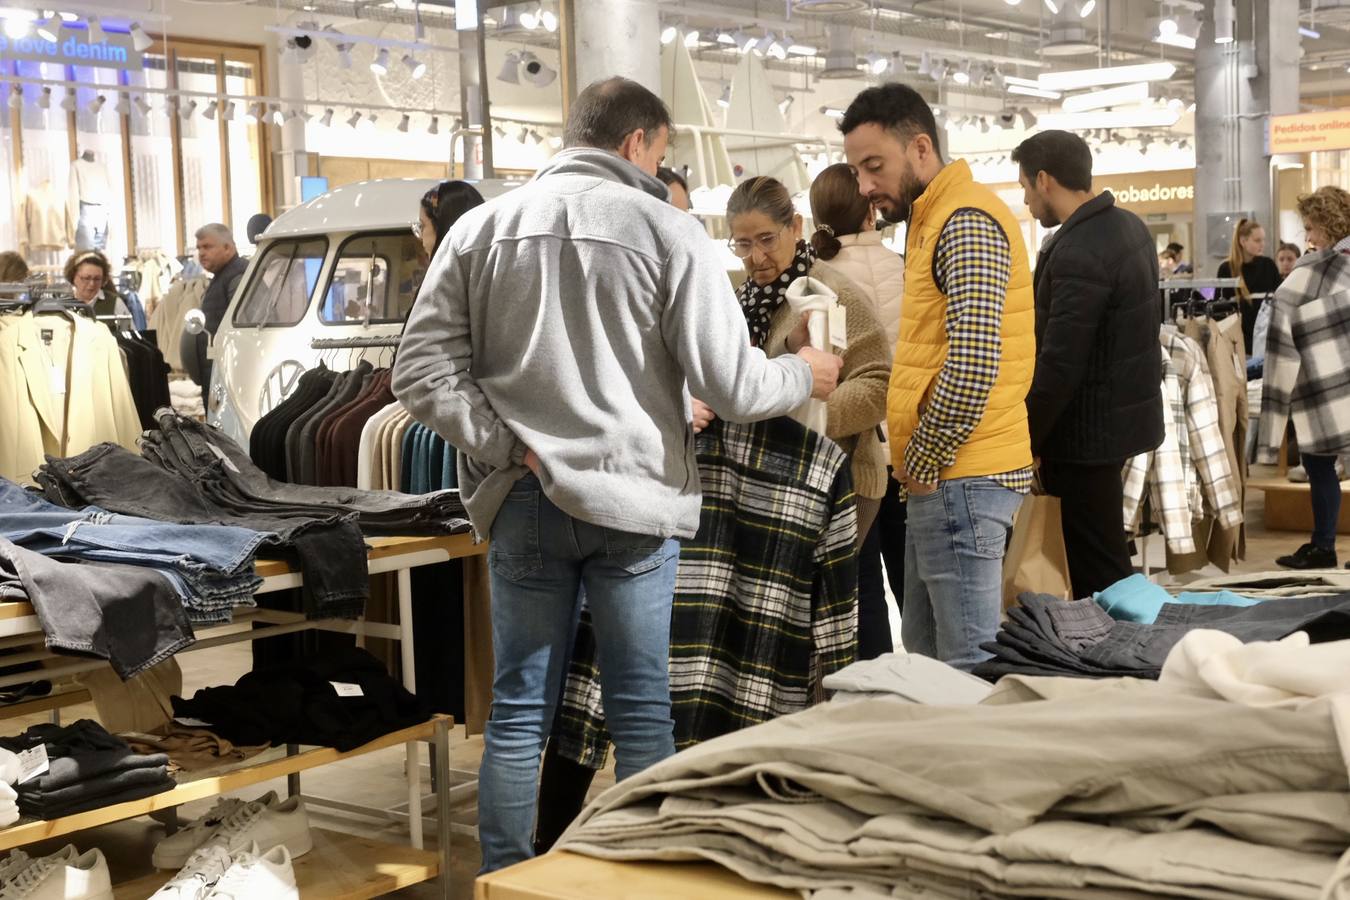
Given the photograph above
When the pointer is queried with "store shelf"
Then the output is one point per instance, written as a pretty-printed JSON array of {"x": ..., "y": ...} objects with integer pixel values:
[
  {"x": 340, "y": 867},
  {"x": 200, "y": 788},
  {"x": 568, "y": 876},
  {"x": 453, "y": 546},
  {"x": 1288, "y": 506},
  {"x": 59, "y": 698}
]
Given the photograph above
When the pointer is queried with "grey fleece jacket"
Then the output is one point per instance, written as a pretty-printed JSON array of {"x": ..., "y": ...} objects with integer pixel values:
[{"x": 568, "y": 316}]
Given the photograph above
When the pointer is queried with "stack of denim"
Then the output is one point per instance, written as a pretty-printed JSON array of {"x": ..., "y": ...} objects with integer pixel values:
[
  {"x": 89, "y": 769},
  {"x": 190, "y": 473},
  {"x": 209, "y": 566},
  {"x": 1048, "y": 636}
]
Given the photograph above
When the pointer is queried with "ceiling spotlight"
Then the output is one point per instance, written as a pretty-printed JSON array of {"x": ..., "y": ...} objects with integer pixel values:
[
  {"x": 522, "y": 134},
  {"x": 510, "y": 72},
  {"x": 96, "y": 35},
  {"x": 1087, "y": 8},
  {"x": 68, "y": 101},
  {"x": 369, "y": 123},
  {"x": 832, "y": 112},
  {"x": 254, "y": 113},
  {"x": 139, "y": 39},
  {"x": 984, "y": 125},
  {"x": 354, "y": 118},
  {"x": 1168, "y": 26},
  {"x": 939, "y": 71},
  {"x": 49, "y": 29},
  {"x": 230, "y": 108},
  {"x": 45, "y": 99},
  {"x": 1303, "y": 31},
  {"x": 415, "y": 67},
  {"x": 530, "y": 19},
  {"x": 763, "y": 44},
  {"x": 778, "y": 48},
  {"x": 381, "y": 64},
  {"x": 142, "y": 104},
  {"x": 344, "y": 51},
  {"x": 962, "y": 75},
  {"x": 537, "y": 72},
  {"x": 669, "y": 34},
  {"x": 724, "y": 101},
  {"x": 96, "y": 105},
  {"x": 786, "y": 103},
  {"x": 278, "y": 117},
  {"x": 18, "y": 22},
  {"x": 925, "y": 64},
  {"x": 211, "y": 109},
  {"x": 16, "y": 97},
  {"x": 691, "y": 38},
  {"x": 435, "y": 126},
  {"x": 404, "y": 122},
  {"x": 1225, "y": 15},
  {"x": 185, "y": 111},
  {"x": 549, "y": 19},
  {"x": 123, "y": 105},
  {"x": 556, "y": 142},
  {"x": 1053, "y": 6},
  {"x": 745, "y": 42},
  {"x": 1028, "y": 118},
  {"x": 499, "y": 131},
  {"x": 536, "y": 138},
  {"x": 876, "y": 63},
  {"x": 326, "y": 120}
]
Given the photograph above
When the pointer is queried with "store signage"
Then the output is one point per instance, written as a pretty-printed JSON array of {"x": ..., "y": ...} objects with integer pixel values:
[
  {"x": 1309, "y": 131},
  {"x": 115, "y": 51},
  {"x": 1142, "y": 193}
]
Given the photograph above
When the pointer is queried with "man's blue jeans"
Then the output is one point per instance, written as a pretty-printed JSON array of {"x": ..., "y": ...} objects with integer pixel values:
[
  {"x": 541, "y": 558},
  {"x": 954, "y": 548}
]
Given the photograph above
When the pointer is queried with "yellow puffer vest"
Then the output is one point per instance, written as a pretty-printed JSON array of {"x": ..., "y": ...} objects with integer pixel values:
[{"x": 1001, "y": 442}]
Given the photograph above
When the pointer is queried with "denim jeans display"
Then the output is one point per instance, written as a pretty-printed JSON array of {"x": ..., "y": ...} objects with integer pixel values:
[
  {"x": 128, "y": 615},
  {"x": 954, "y": 545},
  {"x": 1048, "y": 636},
  {"x": 91, "y": 230},
  {"x": 540, "y": 560},
  {"x": 209, "y": 566}
]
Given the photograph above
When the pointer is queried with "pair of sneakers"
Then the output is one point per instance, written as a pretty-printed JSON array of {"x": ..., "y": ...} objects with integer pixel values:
[
  {"x": 213, "y": 873},
  {"x": 235, "y": 825},
  {"x": 66, "y": 875}
]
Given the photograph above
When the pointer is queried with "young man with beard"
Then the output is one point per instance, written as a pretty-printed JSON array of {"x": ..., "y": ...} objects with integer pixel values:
[
  {"x": 1095, "y": 400},
  {"x": 956, "y": 408}
]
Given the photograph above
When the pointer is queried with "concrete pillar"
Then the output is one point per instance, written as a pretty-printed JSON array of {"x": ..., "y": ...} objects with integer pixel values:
[
  {"x": 618, "y": 37},
  {"x": 1238, "y": 86},
  {"x": 292, "y": 158}
]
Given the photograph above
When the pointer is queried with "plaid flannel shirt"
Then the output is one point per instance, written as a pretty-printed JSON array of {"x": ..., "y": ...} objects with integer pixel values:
[
  {"x": 766, "y": 599},
  {"x": 1305, "y": 374},
  {"x": 1159, "y": 474},
  {"x": 972, "y": 266}
]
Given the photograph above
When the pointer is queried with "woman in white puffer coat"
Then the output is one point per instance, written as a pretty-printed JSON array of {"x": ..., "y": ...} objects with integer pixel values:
[{"x": 847, "y": 244}]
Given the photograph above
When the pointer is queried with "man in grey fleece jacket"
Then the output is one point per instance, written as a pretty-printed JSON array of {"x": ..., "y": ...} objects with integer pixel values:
[{"x": 557, "y": 338}]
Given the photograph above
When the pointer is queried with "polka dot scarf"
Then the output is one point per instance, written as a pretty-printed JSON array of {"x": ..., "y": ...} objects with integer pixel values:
[{"x": 759, "y": 302}]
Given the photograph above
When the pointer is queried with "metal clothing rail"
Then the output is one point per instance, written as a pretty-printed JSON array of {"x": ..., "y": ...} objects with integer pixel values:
[{"x": 354, "y": 343}]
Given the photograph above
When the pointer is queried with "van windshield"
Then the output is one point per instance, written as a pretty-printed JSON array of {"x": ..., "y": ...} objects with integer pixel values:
[
  {"x": 375, "y": 279},
  {"x": 282, "y": 284}
]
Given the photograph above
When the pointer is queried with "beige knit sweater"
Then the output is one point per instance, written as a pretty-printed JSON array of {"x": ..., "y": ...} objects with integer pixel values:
[{"x": 859, "y": 405}]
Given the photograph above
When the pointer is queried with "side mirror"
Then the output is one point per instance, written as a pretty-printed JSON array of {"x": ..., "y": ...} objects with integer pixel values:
[
  {"x": 194, "y": 346},
  {"x": 194, "y": 321}
]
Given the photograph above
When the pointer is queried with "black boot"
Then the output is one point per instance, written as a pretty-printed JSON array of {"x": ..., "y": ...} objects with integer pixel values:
[{"x": 1309, "y": 556}]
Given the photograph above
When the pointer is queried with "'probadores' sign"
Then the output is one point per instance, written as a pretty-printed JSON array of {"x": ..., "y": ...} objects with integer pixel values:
[{"x": 115, "y": 51}]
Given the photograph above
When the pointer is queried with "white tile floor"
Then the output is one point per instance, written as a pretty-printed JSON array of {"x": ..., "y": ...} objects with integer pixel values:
[{"x": 377, "y": 779}]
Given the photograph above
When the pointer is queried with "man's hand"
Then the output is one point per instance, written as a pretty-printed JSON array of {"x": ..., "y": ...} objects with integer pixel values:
[
  {"x": 825, "y": 369},
  {"x": 801, "y": 335},
  {"x": 913, "y": 486},
  {"x": 532, "y": 462},
  {"x": 703, "y": 415}
]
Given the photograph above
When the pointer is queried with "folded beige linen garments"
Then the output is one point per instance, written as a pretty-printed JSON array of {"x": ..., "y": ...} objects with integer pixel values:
[{"x": 1085, "y": 794}]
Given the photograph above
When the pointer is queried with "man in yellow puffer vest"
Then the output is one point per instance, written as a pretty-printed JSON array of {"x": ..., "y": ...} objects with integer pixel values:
[{"x": 963, "y": 365}]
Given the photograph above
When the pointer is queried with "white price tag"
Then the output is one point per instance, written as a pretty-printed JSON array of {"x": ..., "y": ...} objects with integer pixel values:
[
  {"x": 839, "y": 327},
  {"x": 33, "y": 763},
  {"x": 347, "y": 690},
  {"x": 220, "y": 455},
  {"x": 56, "y": 381},
  {"x": 192, "y": 723}
]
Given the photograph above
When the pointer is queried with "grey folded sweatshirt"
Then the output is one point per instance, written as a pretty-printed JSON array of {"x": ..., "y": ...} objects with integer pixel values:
[{"x": 574, "y": 316}]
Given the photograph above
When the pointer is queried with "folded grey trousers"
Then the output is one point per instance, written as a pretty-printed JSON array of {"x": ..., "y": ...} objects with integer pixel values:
[{"x": 1097, "y": 792}]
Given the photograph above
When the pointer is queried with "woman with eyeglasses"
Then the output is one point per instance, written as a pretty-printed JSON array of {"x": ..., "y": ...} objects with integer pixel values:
[
  {"x": 90, "y": 277},
  {"x": 766, "y": 234}
]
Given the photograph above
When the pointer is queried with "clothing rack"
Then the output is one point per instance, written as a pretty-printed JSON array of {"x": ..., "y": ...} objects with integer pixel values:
[
  {"x": 354, "y": 343},
  {"x": 1189, "y": 287}
]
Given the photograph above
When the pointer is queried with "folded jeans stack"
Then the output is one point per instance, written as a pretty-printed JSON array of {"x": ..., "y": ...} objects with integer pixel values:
[
  {"x": 88, "y": 769},
  {"x": 1044, "y": 635},
  {"x": 209, "y": 566},
  {"x": 1152, "y": 793}
]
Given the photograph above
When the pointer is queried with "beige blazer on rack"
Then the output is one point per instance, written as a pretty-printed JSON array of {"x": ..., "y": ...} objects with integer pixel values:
[{"x": 97, "y": 405}]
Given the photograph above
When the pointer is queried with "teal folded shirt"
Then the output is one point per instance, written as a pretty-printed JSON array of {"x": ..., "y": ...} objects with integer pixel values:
[{"x": 1136, "y": 599}]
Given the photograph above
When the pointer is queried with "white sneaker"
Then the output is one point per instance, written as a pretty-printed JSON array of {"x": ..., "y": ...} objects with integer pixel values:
[
  {"x": 253, "y": 877},
  {"x": 203, "y": 870},
  {"x": 15, "y": 863},
  {"x": 285, "y": 823},
  {"x": 63, "y": 876},
  {"x": 173, "y": 852}
]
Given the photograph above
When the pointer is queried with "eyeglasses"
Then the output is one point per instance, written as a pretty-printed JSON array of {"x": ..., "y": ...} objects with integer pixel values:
[
  {"x": 89, "y": 279},
  {"x": 767, "y": 243},
  {"x": 417, "y": 229}
]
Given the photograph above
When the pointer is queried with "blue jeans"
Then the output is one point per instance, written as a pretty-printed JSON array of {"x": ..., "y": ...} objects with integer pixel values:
[
  {"x": 540, "y": 560},
  {"x": 954, "y": 547},
  {"x": 1326, "y": 498}
]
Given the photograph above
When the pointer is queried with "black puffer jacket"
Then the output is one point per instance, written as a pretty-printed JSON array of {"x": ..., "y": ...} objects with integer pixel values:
[{"x": 1096, "y": 395}]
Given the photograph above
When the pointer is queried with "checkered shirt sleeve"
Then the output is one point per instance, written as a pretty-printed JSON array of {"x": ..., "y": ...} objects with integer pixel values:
[
  {"x": 1283, "y": 363},
  {"x": 972, "y": 266},
  {"x": 1160, "y": 476},
  {"x": 1207, "y": 449}
]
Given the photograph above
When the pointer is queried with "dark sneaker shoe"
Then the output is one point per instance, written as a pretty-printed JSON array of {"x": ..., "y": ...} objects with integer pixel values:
[{"x": 1309, "y": 556}]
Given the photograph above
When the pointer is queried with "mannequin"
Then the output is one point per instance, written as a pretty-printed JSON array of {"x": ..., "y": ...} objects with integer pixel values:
[
  {"x": 42, "y": 231},
  {"x": 87, "y": 203}
]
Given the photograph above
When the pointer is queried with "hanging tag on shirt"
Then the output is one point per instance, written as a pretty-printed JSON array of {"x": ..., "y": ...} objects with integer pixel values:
[
  {"x": 56, "y": 381},
  {"x": 839, "y": 327},
  {"x": 347, "y": 690},
  {"x": 33, "y": 763},
  {"x": 48, "y": 336},
  {"x": 220, "y": 455}
]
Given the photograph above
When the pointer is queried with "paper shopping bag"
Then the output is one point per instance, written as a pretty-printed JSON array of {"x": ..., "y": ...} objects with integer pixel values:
[{"x": 1036, "y": 561}]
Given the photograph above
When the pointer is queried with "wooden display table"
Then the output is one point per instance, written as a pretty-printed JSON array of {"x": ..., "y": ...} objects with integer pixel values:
[
  {"x": 1289, "y": 506},
  {"x": 568, "y": 876}
]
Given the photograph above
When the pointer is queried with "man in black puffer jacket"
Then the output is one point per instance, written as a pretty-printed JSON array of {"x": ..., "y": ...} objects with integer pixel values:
[{"x": 1096, "y": 398}]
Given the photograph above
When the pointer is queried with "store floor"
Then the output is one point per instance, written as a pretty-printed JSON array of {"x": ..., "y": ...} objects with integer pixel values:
[{"x": 376, "y": 780}]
